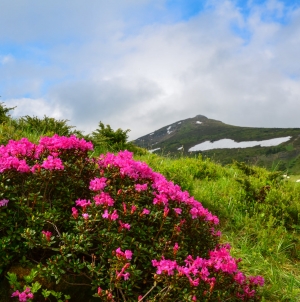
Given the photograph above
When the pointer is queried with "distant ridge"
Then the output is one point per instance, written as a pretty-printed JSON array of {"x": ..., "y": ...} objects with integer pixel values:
[{"x": 180, "y": 136}]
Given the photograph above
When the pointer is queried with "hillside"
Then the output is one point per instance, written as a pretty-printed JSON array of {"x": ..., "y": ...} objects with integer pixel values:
[{"x": 178, "y": 138}]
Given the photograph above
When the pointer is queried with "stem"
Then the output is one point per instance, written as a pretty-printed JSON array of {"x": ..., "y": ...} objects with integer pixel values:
[
  {"x": 76, "y": 283},
  {"x": 161, "y": 291},
  {"x": 56, "y": 229},
  {"x": 122, "y": 294},
  {"x": 147, "y": 293}
]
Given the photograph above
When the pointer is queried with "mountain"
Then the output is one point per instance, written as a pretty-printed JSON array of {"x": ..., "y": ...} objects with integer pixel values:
[{"x": 273, "y": 148}]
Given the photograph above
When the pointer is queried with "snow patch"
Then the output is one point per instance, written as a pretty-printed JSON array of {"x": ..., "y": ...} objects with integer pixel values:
[
  {"x": 179, "y": 123},
  {"x": 229, "y": 143},
  {"x": 198, "y": 122},
  {"x": 168, "y": 130},
  {"x": 151, "y": 133},
  {"x": 153, "y": 150}
]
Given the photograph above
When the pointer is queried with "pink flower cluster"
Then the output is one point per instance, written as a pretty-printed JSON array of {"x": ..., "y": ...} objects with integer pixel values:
[
  {"x": 98, "y": 184},
  {"x": 15, "y": 154},
  {"x": 52, "y": 163},
  {"x": 104, "y": 199},
  {"x": 83, "y": 203},
  {"x": 47, "y": 234},
  {"x": 57, "y": 142},
  {"x": 110, "y": 216},
  {"x": 139, "y": 187},
  {"x": 123, "y": 255},
  {"x": 23, "y": 296},
  {"x": 165, "y": 191},
  {"x": 3, "y": 202},
  {"x": 199, "y": 269}
]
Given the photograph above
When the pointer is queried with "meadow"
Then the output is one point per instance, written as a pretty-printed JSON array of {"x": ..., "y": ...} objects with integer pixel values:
[{"x": 258, "y": 209}]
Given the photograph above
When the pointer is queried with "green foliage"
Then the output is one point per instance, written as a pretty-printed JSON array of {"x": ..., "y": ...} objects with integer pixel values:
[
  {"x": 44, "y": 126},
  {"x": 4, "y": 116},
  {"x": 106, "y": 139},
  {"x": 106, "y": 134},
  {"x": 184, "y": 171}
]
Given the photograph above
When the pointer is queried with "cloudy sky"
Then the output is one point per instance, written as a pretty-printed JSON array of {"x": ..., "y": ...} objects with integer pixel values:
[{"x": 144, "y": 64}]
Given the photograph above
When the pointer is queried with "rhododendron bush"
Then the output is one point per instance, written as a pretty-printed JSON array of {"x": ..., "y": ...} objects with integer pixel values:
[{"x": 109, "y": 224}]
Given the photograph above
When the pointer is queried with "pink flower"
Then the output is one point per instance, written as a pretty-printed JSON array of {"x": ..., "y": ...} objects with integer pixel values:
[
  {"x": 30, "y": 295},
  {"x": 114, "y": 215},
  {"x": 106, "y": 215},
  {"x": 3, "y": 202},
  {"x": 119, "y": 252},
  {"x": 124, "y": 207},
  {"x": 85, "y": 216},
  {"x": 47, "y": 235},
  {"x": 126, "y": 276},
  {"x": 166, "y": 211},
  {"x": 133, "y": 209},
  {"x": 258, "y": 280},
  {"x": 122, "y": 274},
  {"x": 124, "y": 225},
  {"x": 23, "y": 297},
  {"x": 193, "y": 282},
  {"x": 128, "y": 254},
  {"x": 145, "y": 212},
  {"x": 178, "y": 211},
  {"x": 140, "y": 188},
  {"x": 175, "y": 248},
  {"x": 16, "y": 293},
  {"x": 52, "y": 163},
  {"x": 165, "y": 266},
  {"x": 104, "y": 199},
  {"x": 74, "y": 212},
  {"x": 98, "y": 184},
  {"x": 83, "y": 203},
  {"x": 26, "y": 294},
  {"x": 194, "y": 213},
  {"x": 240, "y": 278}
]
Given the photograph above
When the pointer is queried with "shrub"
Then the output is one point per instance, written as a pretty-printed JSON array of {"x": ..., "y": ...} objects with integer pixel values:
[
  {"x": 105, "y": 138},
  {"x": 110, "y": 224}
]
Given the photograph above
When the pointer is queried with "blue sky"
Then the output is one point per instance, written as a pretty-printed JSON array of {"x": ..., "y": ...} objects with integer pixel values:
[{"x": 143, "y": 64}]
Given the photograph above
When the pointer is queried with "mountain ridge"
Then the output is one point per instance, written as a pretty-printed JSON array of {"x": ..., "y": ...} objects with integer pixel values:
[{"x": 179, "y": 137}]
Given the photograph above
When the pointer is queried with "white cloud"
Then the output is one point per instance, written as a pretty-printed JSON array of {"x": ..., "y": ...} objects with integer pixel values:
[
  {"x": 132, "y": 66},
  {"x": 34, "y": 107}
]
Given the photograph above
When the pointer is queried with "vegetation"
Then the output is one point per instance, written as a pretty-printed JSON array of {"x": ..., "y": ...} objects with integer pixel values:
[
  {"x": 105, "y": 139},
  {"x": 49, "y": 231}
]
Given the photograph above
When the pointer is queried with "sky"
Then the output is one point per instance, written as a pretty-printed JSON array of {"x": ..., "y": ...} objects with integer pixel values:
[{"x": 144, "y": 64}]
